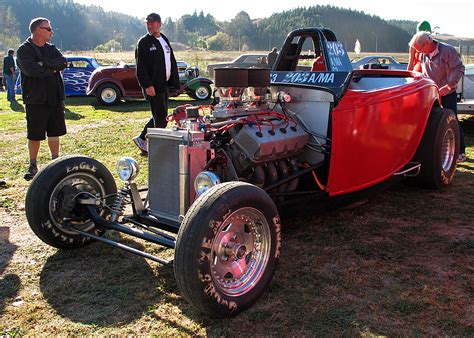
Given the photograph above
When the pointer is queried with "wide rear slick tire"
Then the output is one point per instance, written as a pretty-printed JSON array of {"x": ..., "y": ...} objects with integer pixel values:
[
  {"x": 50, "y": 200},
  {"x": 227, "y": 248},
  {"x": 439, "y": 150}
]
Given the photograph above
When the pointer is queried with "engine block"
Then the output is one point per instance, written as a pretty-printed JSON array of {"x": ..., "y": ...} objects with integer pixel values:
[{"x": 261, "y": 143}]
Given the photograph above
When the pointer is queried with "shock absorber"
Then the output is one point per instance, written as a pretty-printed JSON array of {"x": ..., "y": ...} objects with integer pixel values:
[{"x": 121, "y": 200}]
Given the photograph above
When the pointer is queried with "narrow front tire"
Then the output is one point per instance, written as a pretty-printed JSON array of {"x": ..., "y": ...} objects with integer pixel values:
[
  {"x": 51, "y": 207},
  {"x": 227, "y": 248}
]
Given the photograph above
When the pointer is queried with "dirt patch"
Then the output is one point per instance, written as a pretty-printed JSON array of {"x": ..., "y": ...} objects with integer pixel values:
[{"x": 71, "y": 129}]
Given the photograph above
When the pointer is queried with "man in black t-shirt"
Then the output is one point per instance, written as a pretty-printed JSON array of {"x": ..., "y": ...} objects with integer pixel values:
[
  {"x": 156, "y": 72},
  {"x": 42, "y": 90},
  {"x": 9, "y": 74}
]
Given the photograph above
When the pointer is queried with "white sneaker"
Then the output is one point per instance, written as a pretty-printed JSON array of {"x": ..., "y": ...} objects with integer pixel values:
[
  {"x": 462, "y": 157},
  {"x": 141, "y": 144}
]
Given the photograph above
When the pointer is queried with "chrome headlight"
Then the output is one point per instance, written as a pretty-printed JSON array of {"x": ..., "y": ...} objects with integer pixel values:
[
  {"x": 127, "y": 169},
  {"x": 204, "y": 181}
]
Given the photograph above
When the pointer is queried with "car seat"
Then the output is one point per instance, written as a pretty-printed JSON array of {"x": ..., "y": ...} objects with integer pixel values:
[{"x": 319, "y": 65}]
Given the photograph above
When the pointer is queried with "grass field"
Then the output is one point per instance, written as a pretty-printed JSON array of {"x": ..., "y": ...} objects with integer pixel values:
[{"x": 400, "y": 265}]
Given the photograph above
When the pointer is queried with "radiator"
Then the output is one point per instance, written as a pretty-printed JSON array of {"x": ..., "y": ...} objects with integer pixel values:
[{"x": 175, "y": 157}]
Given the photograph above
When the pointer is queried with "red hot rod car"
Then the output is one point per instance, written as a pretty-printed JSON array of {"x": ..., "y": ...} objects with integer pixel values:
[{"x": 277, "y": 137}]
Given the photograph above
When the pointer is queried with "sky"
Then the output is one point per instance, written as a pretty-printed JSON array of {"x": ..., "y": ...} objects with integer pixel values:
[{"x": 455, "y": 17}]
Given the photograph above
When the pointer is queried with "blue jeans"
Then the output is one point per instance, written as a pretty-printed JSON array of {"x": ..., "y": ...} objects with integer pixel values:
[
  {"x": 450, "y": 101},
  {"x": 10, "y": 84}
]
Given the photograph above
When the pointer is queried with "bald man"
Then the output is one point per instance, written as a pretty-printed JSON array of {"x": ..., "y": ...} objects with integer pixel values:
[{"x": 442, "y": 63}]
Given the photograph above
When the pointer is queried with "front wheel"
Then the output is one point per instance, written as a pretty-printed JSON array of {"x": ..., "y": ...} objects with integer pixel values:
[
  {"x": 438, "y": 150},
  {"x": 51, "y": 207},
  {"x": 201, "y": 92},
  {"x": 108, "y": 94},
  {"x": 227, "y": 248}
]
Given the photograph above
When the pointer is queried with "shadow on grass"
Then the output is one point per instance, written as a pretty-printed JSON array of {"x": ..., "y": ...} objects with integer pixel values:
[
  {"x": 16, "y": 106},
  {"x": 130, "y": 105},
  {"x": 70, "y": 115},
  {"x": 79, "y": 100},
  {"x": 124, "y": 106},
  {"x": 467, "y": 125},
  {"x": 137, "y": 105},
  {"x": 9, "y": 283},
  {"x": 105, "y": 286}
]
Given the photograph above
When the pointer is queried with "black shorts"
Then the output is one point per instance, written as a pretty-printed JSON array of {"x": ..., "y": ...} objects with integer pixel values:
[{"x": 42, "y": 119}]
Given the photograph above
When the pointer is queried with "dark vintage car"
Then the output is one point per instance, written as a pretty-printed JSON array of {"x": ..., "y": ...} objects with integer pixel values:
[
  {"x": 217, "y": 184},
  {"x": 110, "y": 84},
  {"x": 244, "y": 60},
  {"x": 75, "y": 76}
]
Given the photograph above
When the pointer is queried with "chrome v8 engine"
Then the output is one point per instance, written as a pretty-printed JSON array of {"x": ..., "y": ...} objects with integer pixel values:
[
  {"x": 261, "y": 134},
  {"x": 240, "y": 138}
]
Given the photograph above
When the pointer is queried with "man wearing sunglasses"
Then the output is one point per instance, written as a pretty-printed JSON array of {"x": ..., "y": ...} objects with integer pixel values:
[{"x": 42, "y": 90}]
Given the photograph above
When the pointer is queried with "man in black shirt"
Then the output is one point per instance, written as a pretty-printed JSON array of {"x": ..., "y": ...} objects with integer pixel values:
[
  {"x": 42, "y": 90},
  {"x": 9, "y": 74},
  {"x": 156, "y": 71}
]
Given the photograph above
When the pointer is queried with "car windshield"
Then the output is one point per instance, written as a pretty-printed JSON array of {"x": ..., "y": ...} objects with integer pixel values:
[
  {"x": 246, "y": 58},
  {"x": 239, "y": 58}
]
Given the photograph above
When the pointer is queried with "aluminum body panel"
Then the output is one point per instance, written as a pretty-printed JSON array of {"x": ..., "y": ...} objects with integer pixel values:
[
  {"x": 175, "y": 157},
  {"x": 310, "y": 107}
]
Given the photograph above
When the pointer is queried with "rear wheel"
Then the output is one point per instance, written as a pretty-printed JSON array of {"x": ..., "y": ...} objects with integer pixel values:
[
  {"x": 108, "y": 94},
  {"x": 51, "y": 207},
  {"x": 227, "y": 248},
  {"x": 438, "y": 150}
]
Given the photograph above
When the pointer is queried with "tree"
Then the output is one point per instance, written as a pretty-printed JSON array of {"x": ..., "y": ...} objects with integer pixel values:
[
  {"x": 109, "y": 46},
  {"x": 220, "y": 41},
  {"x": 241, "y": 29},
  {"x": 9, "y": 32}
]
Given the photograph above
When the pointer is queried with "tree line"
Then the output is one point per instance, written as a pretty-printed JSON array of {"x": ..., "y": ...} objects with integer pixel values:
[{"x": 80, "y": 27}]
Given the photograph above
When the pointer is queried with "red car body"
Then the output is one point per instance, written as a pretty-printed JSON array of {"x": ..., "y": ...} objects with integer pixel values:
[
  {"x": 376, "y": 133},
  {"x": 110, "y": 84},
  {"x": 123, "y": 76}
]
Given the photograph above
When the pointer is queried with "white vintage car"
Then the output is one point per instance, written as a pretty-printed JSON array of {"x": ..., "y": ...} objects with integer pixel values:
[{"x": 466, "y": 91}]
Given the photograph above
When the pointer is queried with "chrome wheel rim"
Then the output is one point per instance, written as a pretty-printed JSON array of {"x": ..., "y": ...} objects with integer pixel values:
[
  {"x": 202, "y": 92},
  {"x": 108, "y": 95},
  {"x": 240, "y": 251},
  {"x": 448, "y": 150},
  {"x": 62, "y": 208}
]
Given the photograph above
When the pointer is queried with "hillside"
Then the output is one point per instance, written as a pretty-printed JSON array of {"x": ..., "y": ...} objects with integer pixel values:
[
  {"x": 76, "y": 27},
  {"x": 79, "y": 27}
]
